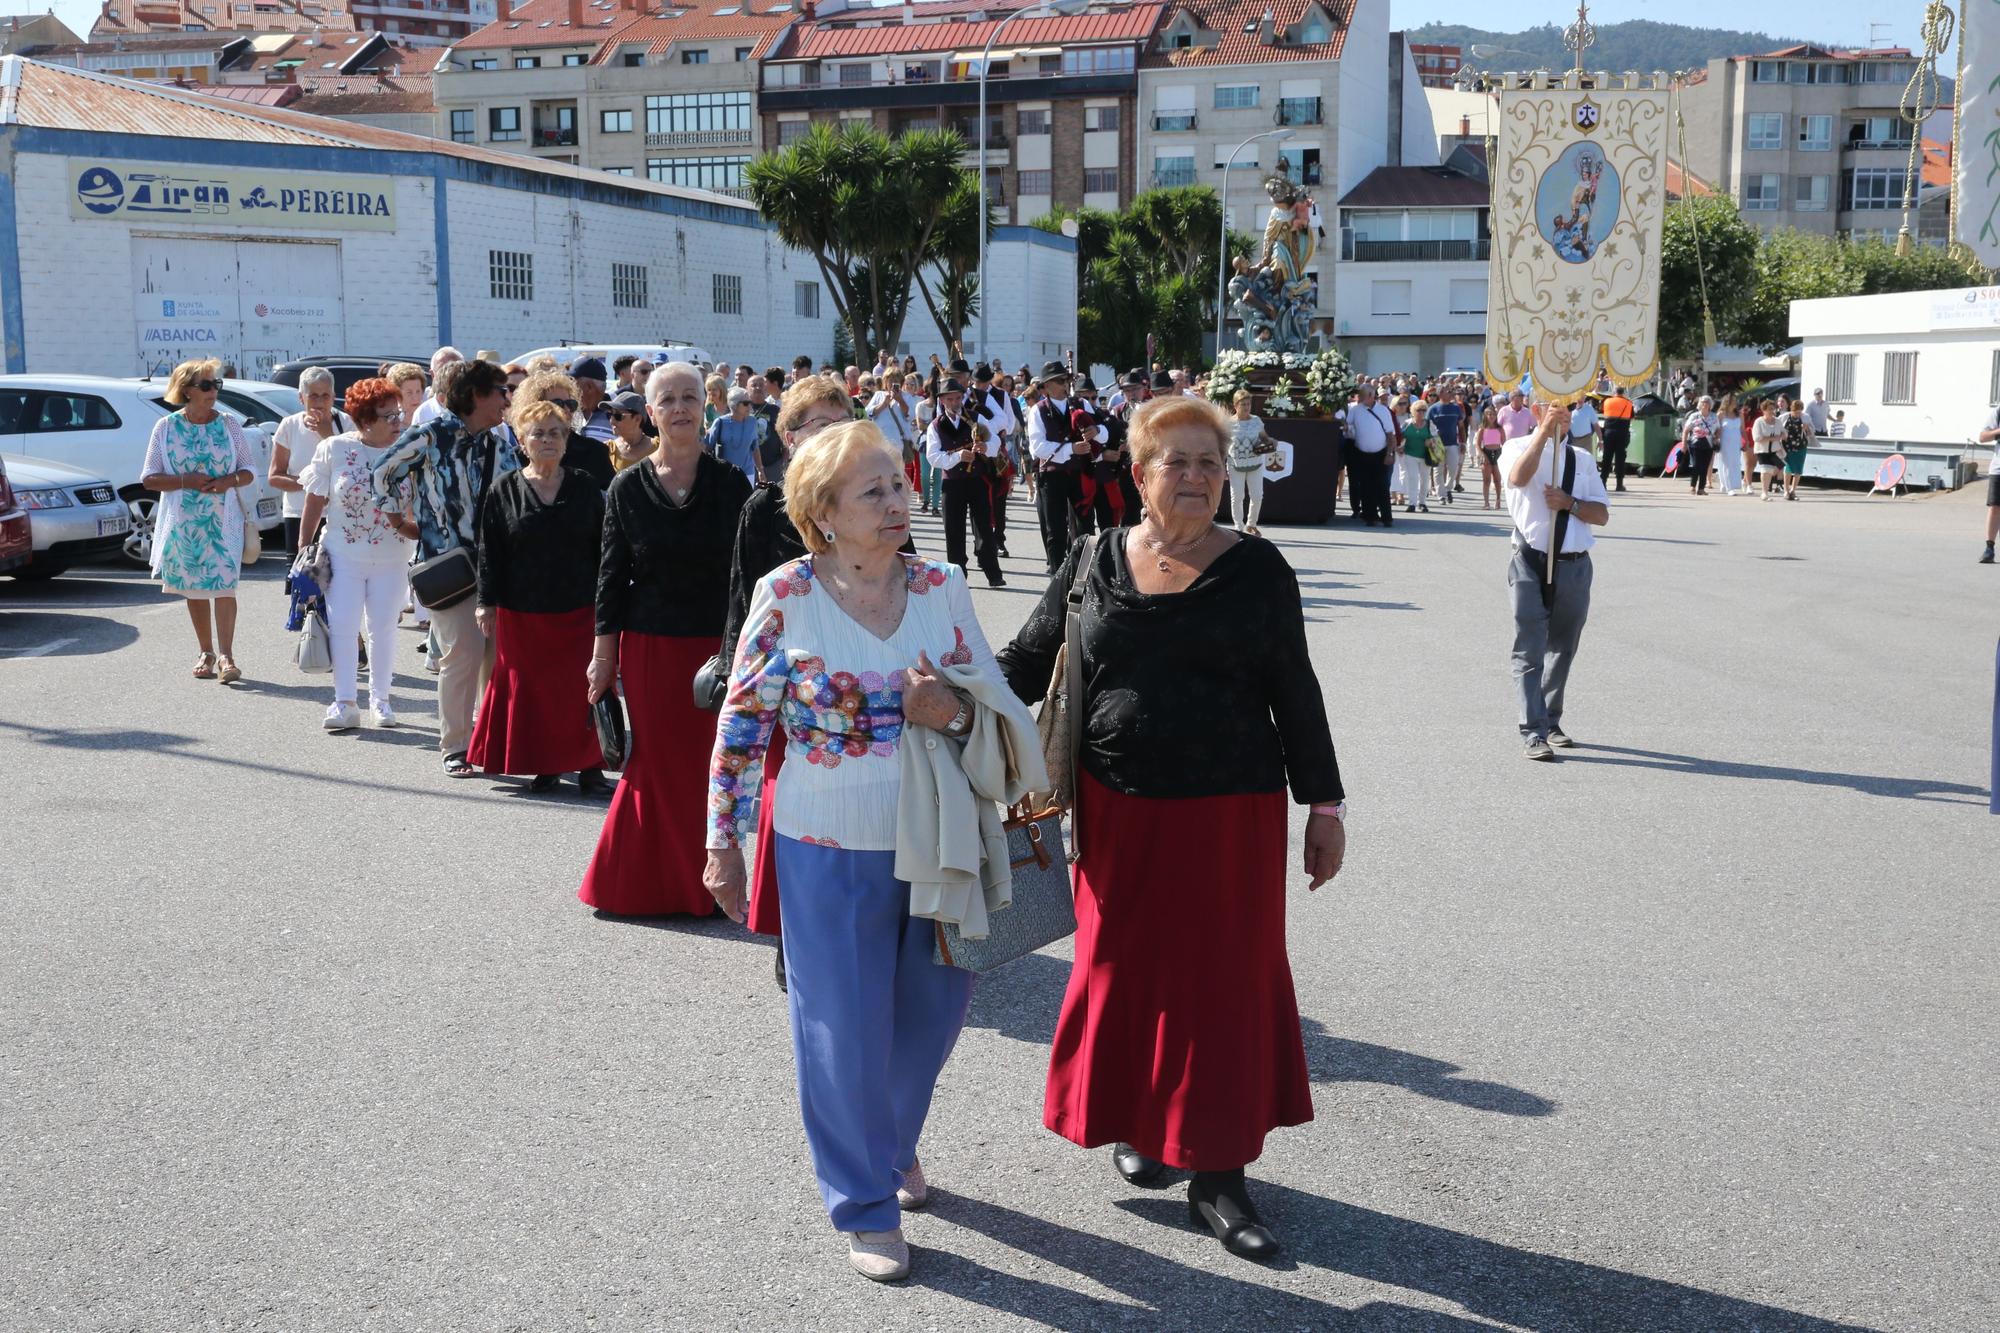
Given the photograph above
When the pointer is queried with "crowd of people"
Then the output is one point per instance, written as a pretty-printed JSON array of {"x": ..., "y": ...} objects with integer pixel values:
[{"x": 731, "y": 555}]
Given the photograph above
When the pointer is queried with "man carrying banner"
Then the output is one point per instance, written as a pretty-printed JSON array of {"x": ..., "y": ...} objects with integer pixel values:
[{"x": 1555, "y": 497}]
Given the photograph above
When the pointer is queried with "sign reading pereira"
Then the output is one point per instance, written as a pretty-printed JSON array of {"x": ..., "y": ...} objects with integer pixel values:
[{"x": 231, "y": 197}]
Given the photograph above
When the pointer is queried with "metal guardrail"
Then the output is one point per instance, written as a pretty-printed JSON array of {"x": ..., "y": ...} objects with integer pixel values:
[
  {"x": 701, "y": 139},
  {"x": 1414, "y": 252}
]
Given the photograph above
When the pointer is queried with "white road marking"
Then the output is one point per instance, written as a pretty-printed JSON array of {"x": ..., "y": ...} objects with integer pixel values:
[{"x": 43, "y": 650}]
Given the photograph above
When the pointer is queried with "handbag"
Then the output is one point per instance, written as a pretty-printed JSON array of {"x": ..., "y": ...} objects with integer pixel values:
[
  {"x": 1044, "y": 906},
  {"x": 253, "y": 540},
  {"x": 313, "y": 648},
  {"x": 711, "y": 684},
  {"x": 607, "y": 715},
  {"x": 1060, "y": 723},
  {"x": 443, "y": 581}
]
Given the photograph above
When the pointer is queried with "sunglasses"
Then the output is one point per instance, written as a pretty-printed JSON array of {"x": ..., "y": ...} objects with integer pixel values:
[
  {"x": 620, "y": 416},
  {"x": 566, "y": 404},
  {"x": 208, "y": 386}
]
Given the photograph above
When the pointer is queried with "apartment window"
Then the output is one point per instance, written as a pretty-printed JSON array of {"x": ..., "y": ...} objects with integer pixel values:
[
  {"x": 698, "y": 173},
  {"x": 727, "y": 289},
  {"x": 1468, "y": 296},
  {"x": 742, "y": 54},
  {"x": 854, "y": 73},
  {"x": 1390, "y": 297},
  {"x": 1100, "y": 60},
  {"x": 1818, "y": 71},
  {"x": 805, "y": 300},
  {"x": 1168, "y": 121},
  {"x": 1169, "y": 171},
  {"x": 1866, "y": 189},
  {"x": 1763, "y": 193},
  {"x": 511, "y": 275},
  {"x": 1101, "y": 118},
  {"x": 1237, "y": 96},
  {"x": 574, "y": 59},
  {"x": 1815, "y": 134},
  {"x": 527, "y": 62},
  {"x": 461, "y": 126},
  {"x": 1899, "y": 377},
  {"x": 1035, "y": 182},
  {"x": 1100, "y": 180},
  {"x": 614, "y": 122},
  {"x": 1032, "y": 122},
  {"x": 1767, "y": 71},
  {"x": 1840, "y": 377},
  {"x": 697, "y": 113},
  {"x": 1765, "y": 130},
  {"x": 1879, "y": 132},
  {"x": 486, "y": 62},
  {"x": 503, "y": 124},
  {"x": 1884, "y": 71},
  {"x": 628, "y": 286},
  {"x": 632, "y": 59},
  {"x": 1814, "y": 193},
  {"x": 790, "y": 131},
  {"x": 698, "y": 56},
  {"x": 616, "y": 171}
]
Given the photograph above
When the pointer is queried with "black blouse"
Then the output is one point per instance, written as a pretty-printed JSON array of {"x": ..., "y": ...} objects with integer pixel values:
[
  {"x": 1206, "y": 692},
  {"x": 665, "y": 569},
  {"x": 590, "y": 457},
  {"x": 540, "y": 557}
]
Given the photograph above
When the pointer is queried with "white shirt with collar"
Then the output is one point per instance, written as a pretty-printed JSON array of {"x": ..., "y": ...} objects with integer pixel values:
[
  {"x": 427, "y": 411},
  {"x": 996, "y": 409},
  {"x": 946, "y": 459},
  {"x": 1582, "y": 422},
  {"x": 1372, "y": 426},
  {"x": 1530, "y": 511},
  {"x": 1040, "y": 445}
]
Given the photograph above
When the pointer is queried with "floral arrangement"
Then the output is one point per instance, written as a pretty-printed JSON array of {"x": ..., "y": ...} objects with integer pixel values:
[
  {"x": 1281, "y": 402},
  {"x": 1306, "y": 381},
  {"x": 1329, "y": 379}
]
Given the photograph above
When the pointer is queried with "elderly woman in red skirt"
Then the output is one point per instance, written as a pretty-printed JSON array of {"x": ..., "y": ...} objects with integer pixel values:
[
  {"x": 662, "y": 593},
  {"x": 1179, "y": 1038},
  {"x": 538, "y": 536}
]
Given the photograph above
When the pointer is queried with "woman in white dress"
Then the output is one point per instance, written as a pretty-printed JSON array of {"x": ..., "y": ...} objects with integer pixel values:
[{"x": 1731, "y": 455}]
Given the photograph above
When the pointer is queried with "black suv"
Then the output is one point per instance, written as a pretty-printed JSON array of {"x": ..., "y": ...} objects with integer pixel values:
[{"x": 347, "y": 370}]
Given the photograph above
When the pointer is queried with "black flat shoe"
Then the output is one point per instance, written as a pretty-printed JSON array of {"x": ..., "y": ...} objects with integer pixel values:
[
  {"x": 1226, "y": 1210},
  {"x": 1135, "y": 1166},
  {"x": 545, "y": 783},
  {"x": 591, "y": 782}
]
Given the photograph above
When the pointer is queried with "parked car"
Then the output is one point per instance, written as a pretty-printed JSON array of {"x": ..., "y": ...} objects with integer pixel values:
[
  {"x": 101, "y": 425},
  {"x": 77, "y": 516},
  {"x": 569, "y": 355},
  {"x": 346, "y": 369},
  {"x": 17, "y": 539}
]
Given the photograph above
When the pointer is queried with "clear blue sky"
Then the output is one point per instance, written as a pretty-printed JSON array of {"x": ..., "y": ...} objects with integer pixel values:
[
  {"x": 1843, "y": 22},
  {"x": 1832, "y": 22}
]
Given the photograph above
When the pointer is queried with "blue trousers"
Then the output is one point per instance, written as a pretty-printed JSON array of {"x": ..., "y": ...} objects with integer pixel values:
[{"x": 874, "y": 1018}]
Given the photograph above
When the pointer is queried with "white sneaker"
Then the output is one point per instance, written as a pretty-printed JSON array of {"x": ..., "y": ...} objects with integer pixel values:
[
  {"x": 879, "y": 1256},
  {"x": 342, "y": 717},
  {"x": 385, "y": 716},
  {"x": 915, "y": 1191}
]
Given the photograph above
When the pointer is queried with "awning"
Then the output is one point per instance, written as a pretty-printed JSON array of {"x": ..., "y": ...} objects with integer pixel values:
[{"x": 1010, "y": 53}]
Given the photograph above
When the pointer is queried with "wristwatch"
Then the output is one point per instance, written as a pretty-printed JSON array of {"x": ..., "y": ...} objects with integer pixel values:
[
  {"x": 1338, "y": 810},
  {"x": 960, "y": 721}
]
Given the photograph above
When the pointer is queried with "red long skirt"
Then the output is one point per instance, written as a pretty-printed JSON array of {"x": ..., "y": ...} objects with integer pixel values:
[
  {"x": 651, "y": 850},
  {"x": 1179, "y": 1031},
  {"x": 763, "y": 915},
  {"x": 535, "y": 716}
]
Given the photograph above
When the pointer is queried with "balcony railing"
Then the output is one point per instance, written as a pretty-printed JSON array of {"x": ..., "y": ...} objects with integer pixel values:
[
  {"x": 700, "y": 139},
  {"x": 1301, "y": 111},
  {"x": 1864, "y": 145},
  {"x": 1414, "y": 252},
  {"x": 551, "y": 137},
  {"x": 1306, "y": 174},
  {"x": 1168, "y": 124}
]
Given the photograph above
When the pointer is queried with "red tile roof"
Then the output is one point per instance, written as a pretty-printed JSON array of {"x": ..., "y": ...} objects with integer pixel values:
[
  {"x": 1937, "y": 163},
  {"x": 277, "y": 94},
  {"x": 605, "y": 25},
  {"x": 1227, "y": 19},
  {"x": 830, "y": 39},
  {"x": 1806, "y": 50}
]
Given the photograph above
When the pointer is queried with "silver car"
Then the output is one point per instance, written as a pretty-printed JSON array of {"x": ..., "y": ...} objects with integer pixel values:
[{"x": 76, "y": 516}]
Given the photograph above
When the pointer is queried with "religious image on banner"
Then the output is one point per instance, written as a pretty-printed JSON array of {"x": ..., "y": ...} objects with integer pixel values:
[
  {"x": 1578, "y": 203},
  {"x": 1977, "y": 192}
]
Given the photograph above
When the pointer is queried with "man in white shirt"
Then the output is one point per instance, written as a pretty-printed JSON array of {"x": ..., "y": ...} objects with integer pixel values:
[
  {"x": 993, "y": 407},
  {"x": 966, "y": 463},
  {"x": 1583, "y": 427},
  {"x": 1816, "y": 411},
  {"x": 1550, "y": 492},
  {"x": 1990, "y": 434},
  {"x": 1060, "y": 460},
  {"x": 433, "y": 406},
  {"x": 1370, "y": 453}
]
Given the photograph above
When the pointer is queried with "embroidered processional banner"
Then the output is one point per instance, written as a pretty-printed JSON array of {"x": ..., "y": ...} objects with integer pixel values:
[
  {"x": 1978, "y": 132},
  {"x": 1579, "y": 196}
]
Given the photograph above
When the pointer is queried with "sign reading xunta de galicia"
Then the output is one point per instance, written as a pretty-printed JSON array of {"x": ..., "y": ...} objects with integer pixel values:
[{"x": 230, "y": 196}]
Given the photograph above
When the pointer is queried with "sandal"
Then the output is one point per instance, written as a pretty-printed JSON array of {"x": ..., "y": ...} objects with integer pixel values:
[
  {"x": 230, "y": 672},
  {"x": 204, "y": 666},
  {"x": 456, "y": 766}
]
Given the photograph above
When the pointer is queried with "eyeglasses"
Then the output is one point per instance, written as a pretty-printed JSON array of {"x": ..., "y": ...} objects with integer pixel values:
[
  {"x": 208, "y": 386},
  {"x": 396, "y": 415},
  {"x": 813, "y": 425}
]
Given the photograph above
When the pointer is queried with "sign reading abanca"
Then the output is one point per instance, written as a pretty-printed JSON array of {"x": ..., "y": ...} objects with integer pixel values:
[{"x": 231, "y": 196}]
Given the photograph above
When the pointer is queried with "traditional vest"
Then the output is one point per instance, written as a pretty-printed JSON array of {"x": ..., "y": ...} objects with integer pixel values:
[
  {"x": 954, "y": 436},
  {"x": 1055, "y": 424}
]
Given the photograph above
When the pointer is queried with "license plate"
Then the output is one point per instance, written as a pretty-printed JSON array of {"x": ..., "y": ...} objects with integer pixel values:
[
  {"x": 267, "y": 508},
  {"x": 108, "y": 527}
]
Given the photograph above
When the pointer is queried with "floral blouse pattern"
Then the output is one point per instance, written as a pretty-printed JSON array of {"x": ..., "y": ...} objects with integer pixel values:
[{"x": 807, "y": 671}]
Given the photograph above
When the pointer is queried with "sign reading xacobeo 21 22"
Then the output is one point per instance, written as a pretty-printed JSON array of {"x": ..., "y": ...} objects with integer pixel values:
[{"x": 231, "y": 196}]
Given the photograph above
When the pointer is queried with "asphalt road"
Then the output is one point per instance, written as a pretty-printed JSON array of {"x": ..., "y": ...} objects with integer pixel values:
[{"x": 1691, "y": 1031}]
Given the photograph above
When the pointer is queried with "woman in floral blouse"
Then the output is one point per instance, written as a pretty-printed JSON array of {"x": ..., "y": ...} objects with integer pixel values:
[
  {"x": 838, "y": 653},
  {"x": 196, "y": 459}
]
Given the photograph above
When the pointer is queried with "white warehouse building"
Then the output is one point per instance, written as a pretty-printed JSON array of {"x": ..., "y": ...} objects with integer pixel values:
[{"x": 140, "y": 225}]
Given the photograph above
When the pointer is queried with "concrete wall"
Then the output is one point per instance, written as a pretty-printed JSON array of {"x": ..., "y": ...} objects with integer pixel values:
[
  {"x": 1361, "y": 141},
  {"x": 1955, "y": 334}
]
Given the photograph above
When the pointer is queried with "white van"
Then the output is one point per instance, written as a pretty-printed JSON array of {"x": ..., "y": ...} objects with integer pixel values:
[{"x": 609, "y": 352}]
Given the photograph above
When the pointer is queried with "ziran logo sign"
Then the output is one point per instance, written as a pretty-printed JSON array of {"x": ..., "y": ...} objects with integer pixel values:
[{"x": 233, "y": 197}]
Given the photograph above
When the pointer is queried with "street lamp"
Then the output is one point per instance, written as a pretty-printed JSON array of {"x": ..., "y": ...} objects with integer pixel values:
[
  {"x": 1066, "y": 8},
  {"x": 1222, "y": 246}
]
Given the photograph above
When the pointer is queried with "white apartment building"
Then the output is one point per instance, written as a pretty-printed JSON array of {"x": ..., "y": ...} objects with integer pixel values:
[
  {"x": 1809, "y": 138},
  {"x": 1409, "y": 289},
  {"x": 1909, "y": 367}
]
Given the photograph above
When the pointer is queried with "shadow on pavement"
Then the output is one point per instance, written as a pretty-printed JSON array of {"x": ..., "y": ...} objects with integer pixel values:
[
  {"x": 57, "y": 634},
  {"x": 1332, "y": 1059},
  {"x": 1022, "y": 999},
  {"x": 1909, "y": 789}
]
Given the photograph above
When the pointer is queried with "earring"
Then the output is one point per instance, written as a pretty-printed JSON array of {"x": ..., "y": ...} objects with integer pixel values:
[{"x": 829, "y": 536}]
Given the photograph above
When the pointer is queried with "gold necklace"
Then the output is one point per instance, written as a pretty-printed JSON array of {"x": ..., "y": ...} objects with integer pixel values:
[{"x": 1161, "y": 549}]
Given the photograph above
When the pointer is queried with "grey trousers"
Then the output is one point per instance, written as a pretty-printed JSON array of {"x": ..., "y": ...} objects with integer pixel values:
[{"x": 1545, "y": 638}]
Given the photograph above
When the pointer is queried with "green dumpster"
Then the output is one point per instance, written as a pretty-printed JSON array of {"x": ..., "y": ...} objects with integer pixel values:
[{"x": 1652, "y": 437}]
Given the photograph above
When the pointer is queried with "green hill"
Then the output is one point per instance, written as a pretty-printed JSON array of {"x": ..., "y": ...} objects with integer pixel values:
[{"x": 1638, "y": 44}]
